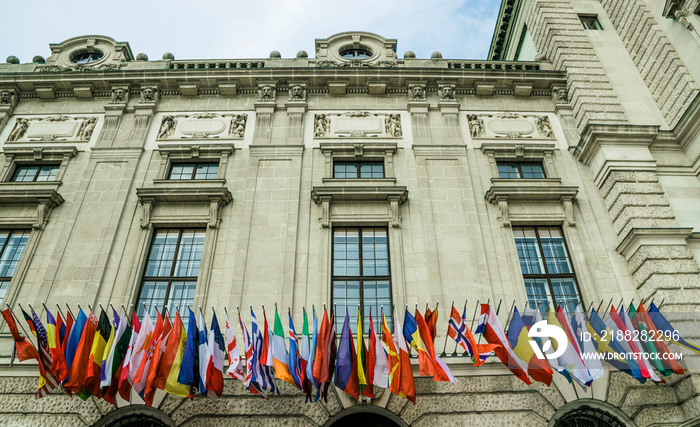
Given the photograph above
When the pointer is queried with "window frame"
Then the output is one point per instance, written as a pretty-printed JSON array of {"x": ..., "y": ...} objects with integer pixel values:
[
  {"x": 551, "y": 297},
  {"x": 16, "y": 157},
  {"x": 3, "y": 247},
  {"x": 519, "y": 165},
  {"x": 361, "y": 279},
  {"x": 185, "y": 153},
  {"x": 195, "y": 164},
  {"x": 19, "y": 166},
  {"x": 358, "y": 164},
  {"x": 588, "y": 20}
]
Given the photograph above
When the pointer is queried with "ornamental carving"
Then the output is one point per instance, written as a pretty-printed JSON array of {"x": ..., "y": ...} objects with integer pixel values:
[
  {"x": 148, "y": 95},
  {"x": 297, "y": 93},
  {"x": 358, "y": 124},
  {"x": 202, "y": 126},
  {"x": 6, "y": 97},
  {"x": 510, "y": 125},
  {"x": 78, "y": 67},
  {"x": 356, "y": 63},
  {"x": 446, "y": 92},
  {"x": 416, "y": 92},
  {"x": 120, "y": 95},
  {"x": 266, "y": 93},
  {"x": 53, "y": 128}
]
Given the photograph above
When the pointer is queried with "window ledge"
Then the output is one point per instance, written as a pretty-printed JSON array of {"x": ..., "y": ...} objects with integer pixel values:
[
  {"x": 360, "y": 192},
  {"x": 189, "y": 183},
  {"x": 361, "y": 182},
  {"x": 519, "y": 182},
  {"x": 42, "y": 194},
  {"x": 529, "y": 189},
  {"x": 216, "y": 197}
]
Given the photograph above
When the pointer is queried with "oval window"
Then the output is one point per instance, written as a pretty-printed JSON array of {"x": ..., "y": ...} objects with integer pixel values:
[
  {"x": 87, "y": 57},
  {"x": 356, "y": 54}
]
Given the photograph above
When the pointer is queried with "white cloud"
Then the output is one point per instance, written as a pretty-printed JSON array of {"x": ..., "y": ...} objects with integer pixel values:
[{"x": 234, "y": 29}]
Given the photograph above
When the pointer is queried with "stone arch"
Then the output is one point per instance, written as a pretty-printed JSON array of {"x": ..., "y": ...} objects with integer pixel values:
[
  {"x": 367, "y": 416},
  {"x": 595, "y": 412},
  {"x": 136, "y": 416}
]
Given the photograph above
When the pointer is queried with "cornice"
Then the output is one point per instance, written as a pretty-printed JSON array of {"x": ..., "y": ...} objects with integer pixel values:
[
  {"x": 594, "y": 136},
  {"x": 638, "y": 237},
  {"x": 359, "y": 193}
]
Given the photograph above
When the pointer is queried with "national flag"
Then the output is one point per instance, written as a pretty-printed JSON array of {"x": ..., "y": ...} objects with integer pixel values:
[
  {"x": 321, "y": 356},
  {"x": 235, "y": 367},
  {"x": 189, "y": 369},
  {"x": 215, "y": 367},
  {"x": 79, "y": 367},
  {"x": 618, "y": 328},
  {"x": 110, "y": 348},
  {"x": 307, "y": 349},
  {"x": 570, "y": 364},
  {"x": 668, "y": 361},
  {"x": 118, "y": 354},
  {"x": 646, "y": 346},
  {"x": 58, "y": 364},
  {"x": 431, "y": 317},
  {"x": 537, "y": 368},
  {"x": 172, "y": 359},
  {"x": 491, "y": 329},
  {"x": 73, "y": 341},
  {"x": 362, "y": 359},
  {"x": 202, "y": 354},
  {"x": 149, "y": 391},
  {"x": 377, "y": 359},
  {"x": 48, "y": 379},
  {"x": 263, "y": 379},
  {"x": 407, "y": 388},
  {"x": 578, "y": 327},
  {"x": 30, "y": 322},
  {"x": 91, "y": 386},
  {"x": 266, "y": 357},
  {"x": 440, "y": 370},
  {"x": 293, "y": 358},
  {"x": 141, "y": 376},
  {"x": 251, "y": 361},
  {"x": 412, "y": 336},
  {"x": 670, "y": 333},
  {"x": 637, "y": 347},
  {"x": 346, "y": 366},
  {"x": 141, "y": 336},
  {"x": 24, "y": 348},
  {"x": 332, "y": 353},
  {"x": 394, "y": 378},
  {"x": 279, "y": 352},
  {"x": 65, "y": 335},
  {"x": 458, "y": 330},
  {"x": 602, "y": 336}
]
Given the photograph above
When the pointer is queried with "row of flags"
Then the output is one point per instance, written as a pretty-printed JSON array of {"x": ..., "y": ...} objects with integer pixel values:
[{"x": 91, "y": 356}]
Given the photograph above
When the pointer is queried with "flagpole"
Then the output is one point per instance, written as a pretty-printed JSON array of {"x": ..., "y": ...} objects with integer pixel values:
[
  {"x": 59, "y": 310},
  {"x": 69, "y": 310},
  {"x": 20, "y": 325},
  {"x": 510, "y": 312},
  {"x": 454, "y": 352},
  {"x": 486, "y": 319}
]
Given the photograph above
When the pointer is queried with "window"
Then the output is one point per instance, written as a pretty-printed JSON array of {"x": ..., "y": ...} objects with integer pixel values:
[
  {"x": 547, "y": 270},
  {"x": 525, "y": 170},
  {"x": 526, "y": 50},
  {"x": 12, "y": 243},
  {"x": 170, "y": 276},
  {"x": 180, "y": 171},
  {"x": 590, "y": 22},
  {"x": 358, "y": 170},
  {"x": 87, "y": 57},
  {"x": 356, "y": 54},
  {"x": 35, "y": 173},
  {"x": 361, "y": 275}
]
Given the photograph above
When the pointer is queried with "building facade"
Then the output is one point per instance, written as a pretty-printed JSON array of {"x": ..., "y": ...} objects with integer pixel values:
[{"x": 359, "y": 179}]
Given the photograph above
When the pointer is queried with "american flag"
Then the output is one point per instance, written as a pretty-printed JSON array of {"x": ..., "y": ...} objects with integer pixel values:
[{"x": 49, "y": 380}]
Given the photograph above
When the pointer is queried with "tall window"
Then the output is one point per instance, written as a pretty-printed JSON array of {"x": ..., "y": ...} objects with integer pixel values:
[
  {"x": 526, "y": 170},
  {"x": 12, "y": 243},
  {"x": 361, "y": 275},
  {"x": 544, "y": 260},
  {"x": 35, "y": 173},
  {"x": 194, "y": 171},
  {"x": 171, "y": 271},
  {"x": 358, "y": 170}
]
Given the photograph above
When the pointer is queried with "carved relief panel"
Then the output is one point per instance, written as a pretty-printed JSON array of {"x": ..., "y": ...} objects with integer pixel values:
[
  {"x": 58, "y": 128},
  {"x": 202, "y": 126},
  {"x": 510, "y": 125},
  {"x": 358, "y": 124}
]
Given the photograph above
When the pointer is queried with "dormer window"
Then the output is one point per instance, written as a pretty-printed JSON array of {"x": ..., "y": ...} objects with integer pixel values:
[
  {"x": 356, "y": 54},
  {"x": 87, "y": 57}
]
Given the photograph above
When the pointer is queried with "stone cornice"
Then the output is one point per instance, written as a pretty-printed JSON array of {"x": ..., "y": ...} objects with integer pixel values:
[
  {"x": 535, "y": 190},
  {"x": 638, "y": 237},
  {"x": 359, "y": 193},
  {"x": 594, "y": 136},
  {"x": 184, "y": 193}
]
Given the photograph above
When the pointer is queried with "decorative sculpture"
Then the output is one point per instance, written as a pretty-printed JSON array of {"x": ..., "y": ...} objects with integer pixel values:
[
  {"x": 561, "y": 95},
  {"x": 148, "y": 95},
  {"x": 167, "y": 127},
  {"x": 87, "y": 128},
  {"x": 393, "y": 125},
  {"x": 476, "y": 125},
  {"x": 119, "y": 95},
  {"x": 5, "y": 97},
  {"x": 19, "y": 130},
  {"x": 544, "y": 127},
  {"x": 320, "y": 125},
  {"x": 447, "y": 93},
  {"x": 417, "y": 93},
  {"x": 238, "y": 123},
  {"x": 266, "y": 93},
  {"x": 296, "y": 93}
]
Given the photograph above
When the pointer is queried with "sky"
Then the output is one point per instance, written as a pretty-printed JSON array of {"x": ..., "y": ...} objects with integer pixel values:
[{"x": 219, "y": 29}]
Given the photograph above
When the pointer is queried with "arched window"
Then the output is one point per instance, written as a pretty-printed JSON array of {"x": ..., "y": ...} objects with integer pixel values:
[{"x": 586, "y": 416}]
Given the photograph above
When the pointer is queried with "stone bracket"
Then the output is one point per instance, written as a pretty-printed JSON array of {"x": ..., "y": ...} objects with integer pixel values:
[
  {"x": 537, "y": 190},
  {"x": 216, "y": 197},
  {"x": 43, "y": 195},
  {"x": 394, "y": 195}
]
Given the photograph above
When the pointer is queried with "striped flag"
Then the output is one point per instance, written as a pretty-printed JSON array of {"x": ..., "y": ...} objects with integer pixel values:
[
  {"x": 458, "y": 330},
  {"x": 49, "y": 380},
  {"x": 263, "y": 378},
  {"x": 235, "y": 367},
  {"x": 251, "y": 361},
  {"x": 58, "y": 364}
]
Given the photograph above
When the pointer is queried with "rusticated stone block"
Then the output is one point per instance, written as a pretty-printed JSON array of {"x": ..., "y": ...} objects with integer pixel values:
[
  {"x": 671, "y": 266},
  {"x": 691, "y": 408},
  {"x": 631, "y": 215},
  {"x": 247, "y": 421},
  {"x": 499, "y": 419},
  {"x": 647, "y": 223},
  {"x": 651, "y": 414},
  {"x": 646, "y": 253},
  {"x": 54, "y": 420},
  {"x": 623, "y": 200},
  {"x": 397, "y": 404},
  {"x": 618, "y": 386}
]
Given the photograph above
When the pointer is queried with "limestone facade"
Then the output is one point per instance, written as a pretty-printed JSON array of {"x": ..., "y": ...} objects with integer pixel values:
[{"x": 621, "y": 165}]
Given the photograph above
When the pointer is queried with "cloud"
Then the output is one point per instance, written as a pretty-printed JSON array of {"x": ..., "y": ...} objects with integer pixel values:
[{"x": 209, "y": 29}]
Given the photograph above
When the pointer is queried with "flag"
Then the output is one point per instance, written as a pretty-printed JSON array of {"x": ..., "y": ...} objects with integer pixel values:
[
  {"x": 172, "y": 359},
  {"x": 118, "y": 355},
  {"x": 362, "y": 359},
  {"x": 458, "y": 330},
  {"x": 202, "y": 354},
  {"x": 141, "y": 375},
  {"x": 602, "y": 336},
  {"x": 407, "y": 387},
  {"x": 293, "y": 358},
  {"x": 110, "y": 348},
  {"x": 586, "y": 346},
  {"x": 431, "y": 318},
  {"x": 266, "y": 357},
  {"x": 637, "y": 346},
  {"x": 645, "y": 346},
  {"x": 79, "y": 367},
  {"x": 618, "y": 329},
  {"x": 189, "y": 369},
  {"x": 491, "y": 329},
  {"x": 377, "y": 359},
  {"x": 91, "y": 386},
  {"x": 321, "y": 351},
  {"x": 215, "y": 366},
  {"x": 279, "y": 352},
  {"x": 306, "y": 353},
  {"x": 158, "y": 345},
  {"x": 58, "y": 364},
  {"x": 143, "y": 333},
  {"x": 412, "y": 336},
  {"x": 346, "y": 366},
  {"x": 263, "y": 378},
  {"x": 235, "y": 367},
  {"x": 331, "y": 358},
  {"x": 394, "y": 379},
  {"x": 661, "y": 348},
  {"x": 48, "y": 379},
  {"x": 251, "y": 361},
  {"x": 24, "y": 348},
  {"x": 73, "y": 341},
  {"x": 670, "y": 333},
  {"x": 64, "y": 338},
  {"x": 440, "y": 370},
  {"x": 537, "y": 368},
  {"x": 570, "y": 364}
]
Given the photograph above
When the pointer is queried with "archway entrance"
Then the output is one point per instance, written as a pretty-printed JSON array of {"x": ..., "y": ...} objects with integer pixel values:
[{"x": 364, "y": 419}]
